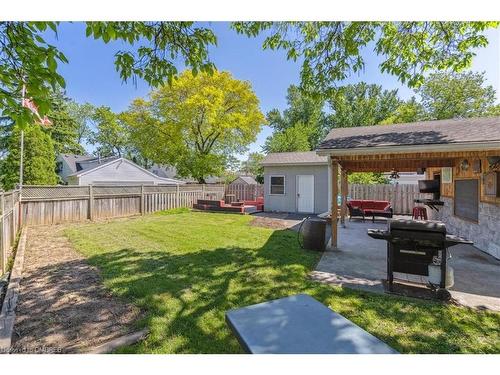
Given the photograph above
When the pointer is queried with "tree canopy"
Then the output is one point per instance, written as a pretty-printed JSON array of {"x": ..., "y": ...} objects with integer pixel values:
[
  {"x": 361, "y": 104},
  {"x": 252, "y": 166},
  {"x": 39, "y": 158},
  {"x": 198, "y": 123},
  {"x": 295, "y": 138},
  {"x": 64, "y": 128},
  {"x": 331, "y": 51},
  {"x": 111, "y": 136},
  {"x": 155, "y": 47},
  {"x": 456, "y": 95},
  {"x": 83, "y": 115}
]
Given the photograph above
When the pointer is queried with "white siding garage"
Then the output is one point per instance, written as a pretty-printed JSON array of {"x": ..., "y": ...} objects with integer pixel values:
[{"x": 296, "y": 182}]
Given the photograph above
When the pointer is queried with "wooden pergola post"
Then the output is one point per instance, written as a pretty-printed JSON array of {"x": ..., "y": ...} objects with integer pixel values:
[
  {"x": 343, "y": 194},
  {"x": 334, "y": 203}
]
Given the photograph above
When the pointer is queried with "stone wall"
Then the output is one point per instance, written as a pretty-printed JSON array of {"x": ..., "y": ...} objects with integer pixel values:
[{"x": 485, "y": 233}]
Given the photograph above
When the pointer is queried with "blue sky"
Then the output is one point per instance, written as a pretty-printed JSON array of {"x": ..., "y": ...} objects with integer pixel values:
[{"x": 91, "y": 76}]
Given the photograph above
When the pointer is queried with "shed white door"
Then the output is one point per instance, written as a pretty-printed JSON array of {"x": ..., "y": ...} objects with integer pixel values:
[{"x": 305, "y": 193}]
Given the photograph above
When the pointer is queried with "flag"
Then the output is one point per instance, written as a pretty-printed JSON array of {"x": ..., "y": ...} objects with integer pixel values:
[{"x": 30, "y": 104}]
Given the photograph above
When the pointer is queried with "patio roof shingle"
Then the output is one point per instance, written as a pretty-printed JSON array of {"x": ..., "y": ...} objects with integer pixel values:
[
  {"x": 294, "y": 158},
  {"x": 482, "y": 129}
]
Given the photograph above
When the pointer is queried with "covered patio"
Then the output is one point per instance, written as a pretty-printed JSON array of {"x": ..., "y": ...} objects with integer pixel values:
[{"x": 463, "y": 156}]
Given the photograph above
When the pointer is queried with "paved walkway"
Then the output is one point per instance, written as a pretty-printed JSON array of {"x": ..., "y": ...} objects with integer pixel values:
[
  {"x": 360, "y": 263},
  {"x": 63, "y": 306}
]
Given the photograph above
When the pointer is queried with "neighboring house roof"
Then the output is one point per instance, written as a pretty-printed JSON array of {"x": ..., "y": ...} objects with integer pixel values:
[
  {"x": 167, "y": 171},
  {"x": 93, "y": 163},
  {"x": 294, "y": 158},
  {"x": 483, "y": 132},
  {"x": 163, "y": 171},
  {"x": 109, "y": 161},
  {"x": 72, "y": 160},
  {"x": 249, "y": 180}
]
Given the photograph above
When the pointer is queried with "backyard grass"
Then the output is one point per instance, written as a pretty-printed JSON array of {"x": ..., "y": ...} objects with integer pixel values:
[{"x": 186, "y": 269}]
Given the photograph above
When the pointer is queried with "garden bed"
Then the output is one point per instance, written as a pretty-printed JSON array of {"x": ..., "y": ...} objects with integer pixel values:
[{"x": 63, "y": 306}]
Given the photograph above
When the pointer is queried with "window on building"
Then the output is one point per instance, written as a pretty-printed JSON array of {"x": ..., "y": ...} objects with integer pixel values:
[{"x": 277, "y": 185}]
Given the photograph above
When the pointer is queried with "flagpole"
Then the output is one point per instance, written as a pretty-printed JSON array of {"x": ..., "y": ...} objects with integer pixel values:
[
  {"x": 20, "y": 211},
  {"x": 21, "y": 170},
  {"x": 21, "y": 162}
]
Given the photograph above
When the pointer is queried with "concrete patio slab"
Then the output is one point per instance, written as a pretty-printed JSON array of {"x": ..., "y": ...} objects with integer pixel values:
[{"x": 360, "y": 262}]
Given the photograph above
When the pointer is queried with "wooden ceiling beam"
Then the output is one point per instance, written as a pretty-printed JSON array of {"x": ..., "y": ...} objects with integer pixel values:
[
  {"x": 418, "y": 156},
  {"x": 399, "y": 165}
]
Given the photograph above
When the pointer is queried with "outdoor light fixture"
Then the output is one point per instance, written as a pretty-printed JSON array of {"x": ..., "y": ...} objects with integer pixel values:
[{"x": 464, "y": 165}]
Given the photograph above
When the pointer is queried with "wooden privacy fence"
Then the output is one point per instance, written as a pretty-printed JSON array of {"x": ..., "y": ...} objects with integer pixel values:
[
  {"x": 245, "y": 192},
  {"x": 9, "y": 225},
  {"x": 400, "y": 196},
  {"x": 59, "y": 204}
]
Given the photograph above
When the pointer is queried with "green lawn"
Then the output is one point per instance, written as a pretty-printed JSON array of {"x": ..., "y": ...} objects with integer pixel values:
[{"x": 186, "y": 269}]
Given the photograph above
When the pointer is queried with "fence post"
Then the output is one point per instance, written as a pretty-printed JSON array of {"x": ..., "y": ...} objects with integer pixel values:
[
  {"x": 203, "y": 191},
  {"x": 3, "y": 261},
  {"x": 91, "y": 203},
  {"x": 141, "y": 206},
  {"x": 13, "y": 221},
  {"x": 177, "y": 197}
]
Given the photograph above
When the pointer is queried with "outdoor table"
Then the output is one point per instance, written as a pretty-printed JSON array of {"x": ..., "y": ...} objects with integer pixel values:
[{"x": 299, "y": 324}]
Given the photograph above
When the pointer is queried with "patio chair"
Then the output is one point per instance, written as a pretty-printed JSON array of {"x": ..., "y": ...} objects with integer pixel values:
[{"x": 355, "y": 211}]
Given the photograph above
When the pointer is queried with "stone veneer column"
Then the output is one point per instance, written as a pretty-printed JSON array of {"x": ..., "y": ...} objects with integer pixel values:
[{"x": 485, "y": 233}]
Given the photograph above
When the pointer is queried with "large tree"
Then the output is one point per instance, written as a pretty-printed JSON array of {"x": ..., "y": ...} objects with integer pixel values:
[
  {"x": 196, "y": 124},
  {"x": 361, "y": 104},
  {"x": 38, "y": 162},
  {"x": 83, "y": 115},
  {"x": 295, "y": 138},
  {"x": 302, "y": 109},
  {"x": 332, "y": 51},
  {"x": 456, "y": 95},
  {"x": 408, "y": 111},
  {"x": 64, "y": 129},
  {"x": 111, "y": 136}
]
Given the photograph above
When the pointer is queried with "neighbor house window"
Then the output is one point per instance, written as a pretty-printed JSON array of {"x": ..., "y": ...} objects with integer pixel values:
[{"x": 277, "y": 185}]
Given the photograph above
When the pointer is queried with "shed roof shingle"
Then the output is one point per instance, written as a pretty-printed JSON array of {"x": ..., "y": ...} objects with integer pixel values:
[
  {"x": 294, "y": 158},
  {"x": 480, "y": 129}
]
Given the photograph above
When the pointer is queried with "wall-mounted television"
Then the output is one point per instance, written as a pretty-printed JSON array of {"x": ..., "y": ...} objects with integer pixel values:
[{"x": 428, "y": 186}]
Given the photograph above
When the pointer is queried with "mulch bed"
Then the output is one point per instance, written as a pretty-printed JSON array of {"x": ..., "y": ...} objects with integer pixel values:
[{"x": 63, "y": 306}]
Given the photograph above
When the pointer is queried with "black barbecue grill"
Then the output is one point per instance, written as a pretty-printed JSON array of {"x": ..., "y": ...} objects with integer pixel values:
[{"x": 412, "y": 246}]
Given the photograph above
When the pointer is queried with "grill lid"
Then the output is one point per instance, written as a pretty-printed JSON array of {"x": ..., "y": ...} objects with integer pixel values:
[{"x": 417, "y": 225}]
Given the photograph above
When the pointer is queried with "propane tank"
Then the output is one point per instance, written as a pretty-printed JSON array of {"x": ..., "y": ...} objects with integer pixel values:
[{"x": 435, "y": 275}]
